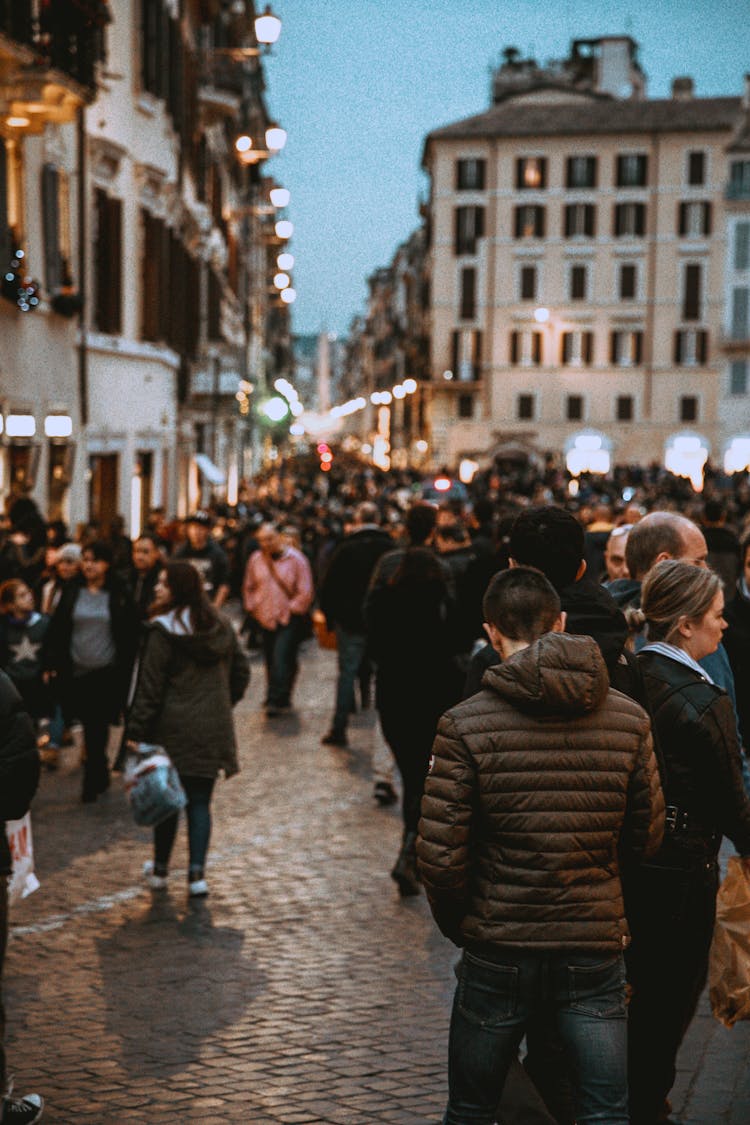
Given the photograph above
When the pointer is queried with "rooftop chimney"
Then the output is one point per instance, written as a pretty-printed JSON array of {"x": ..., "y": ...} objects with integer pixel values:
[{"x": 682, "y": 89}]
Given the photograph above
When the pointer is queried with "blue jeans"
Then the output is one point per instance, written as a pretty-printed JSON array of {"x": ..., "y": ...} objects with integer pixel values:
[
  {"x": 280, "y": 647},
  {"x": 351, "y": 652},
  {"x": 198, "y": 791},
  {"x": 498, "y": 994}
]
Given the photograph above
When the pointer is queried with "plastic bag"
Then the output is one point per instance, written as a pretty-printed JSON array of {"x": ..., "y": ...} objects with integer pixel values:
[
  {"x": 152, "y": 784},
  {"x": 23, "y": 881},
  {"x": 729, "y": 961}
]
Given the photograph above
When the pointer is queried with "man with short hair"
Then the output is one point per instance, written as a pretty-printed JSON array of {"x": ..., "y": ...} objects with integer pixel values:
[
  {"x": 207, "y": 557},
  {"x": 536, "y": 783},
  {"x": 614, "y": 553},
  {"x": 341, "y": 597},
  {"x": 147, "y": 564}
]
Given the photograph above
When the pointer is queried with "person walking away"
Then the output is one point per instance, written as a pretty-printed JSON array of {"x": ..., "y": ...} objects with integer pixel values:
[
  {"x": 536, "y": 783},
  {"x": 19, "y": 777},
  {"x": 207, "y": 557},
  {"x": 147, "y": 566},
  {"x": 412, "y": 635},
  {"x": 91, "y": 647},
  {"x": 671, "y": 900},
  {"x": 278, "y": 591},
  {"x": 341, "y": 598},
  {"x": 191, "y": 674},
  {"x": 723, "y": 544}
]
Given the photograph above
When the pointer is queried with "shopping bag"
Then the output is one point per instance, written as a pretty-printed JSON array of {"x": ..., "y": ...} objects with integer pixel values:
[
  {"x": 152, "y": 784},
  {"x": 326, "y": 637},
  {"x": 729, "y": 961},
  {"x": 22, "y": 881}
]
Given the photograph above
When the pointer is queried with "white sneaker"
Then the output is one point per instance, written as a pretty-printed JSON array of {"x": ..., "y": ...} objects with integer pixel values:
[
  {"x": 155, "y": 882},
  {"x": 198, "y": 888}
]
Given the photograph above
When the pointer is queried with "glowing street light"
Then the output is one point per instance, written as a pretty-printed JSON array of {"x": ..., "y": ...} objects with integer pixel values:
[
  {"x": 284, "y": 228},
  {"x": 541, "y": 316},
  {"x": 285, "y": 261},
  {"x": 280, "y": 196},
  {"x": 282, "y": 280},
  {"x": 276, "y": 408},
  {"x": 288, "y": 296},
  {"x": 267, "y": 27},
  {"x": 409, "y": 385},
  {"x": 243, "y": 144},
  {"x": 275, "y": 138}
]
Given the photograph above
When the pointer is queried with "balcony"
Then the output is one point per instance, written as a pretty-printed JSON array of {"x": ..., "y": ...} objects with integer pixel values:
[
  {"x": 221, "y": 85},
  {"x": 48, "y": 60}
]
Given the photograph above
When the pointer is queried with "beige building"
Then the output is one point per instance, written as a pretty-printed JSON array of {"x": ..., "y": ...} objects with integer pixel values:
[{"x": 588, "y": 260}]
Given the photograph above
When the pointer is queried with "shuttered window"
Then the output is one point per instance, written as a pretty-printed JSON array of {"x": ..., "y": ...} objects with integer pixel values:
[
  {"x": 51, "y": 227},
  {"x": 692, "y": 281},
  {"x": 468, "y": 306},
  {"x": 108, "y": 263}
]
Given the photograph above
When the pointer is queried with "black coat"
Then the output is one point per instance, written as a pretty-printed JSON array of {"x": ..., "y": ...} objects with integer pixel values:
[
  {"x": 19, "y": 763},
  {"x": 125, "y": 633},
  {"x": 736, "y": 641},
  {"x": 702, "y": 777},
  {"x": 345, "y": 582}
]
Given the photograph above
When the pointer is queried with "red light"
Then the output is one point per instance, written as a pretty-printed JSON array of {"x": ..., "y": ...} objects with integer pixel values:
[
  {"x": 442, "y": 484},
  {"x": 323, "y": 447},
  {"x": 325, "y": 466}
]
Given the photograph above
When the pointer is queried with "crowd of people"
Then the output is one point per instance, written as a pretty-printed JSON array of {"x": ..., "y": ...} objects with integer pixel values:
[{"x": 555, "y": 678}]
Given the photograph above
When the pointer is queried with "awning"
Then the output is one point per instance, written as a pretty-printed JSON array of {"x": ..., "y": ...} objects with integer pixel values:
[{"x": 211, "y": 472}]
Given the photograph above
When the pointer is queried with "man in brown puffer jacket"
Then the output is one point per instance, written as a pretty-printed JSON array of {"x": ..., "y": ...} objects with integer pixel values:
[{"x": 537, "y": 784}]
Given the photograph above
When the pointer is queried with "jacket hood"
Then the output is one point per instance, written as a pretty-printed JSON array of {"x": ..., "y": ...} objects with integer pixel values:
[
  {"x": 557, "y": 675},
  {"x": 626, "y": 592},
  {"x": 592, "y": 612},
  {"x": 204, "y": 648}
]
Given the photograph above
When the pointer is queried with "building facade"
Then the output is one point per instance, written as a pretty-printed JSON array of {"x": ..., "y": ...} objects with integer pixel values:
[{"x": 587, "y": 268}]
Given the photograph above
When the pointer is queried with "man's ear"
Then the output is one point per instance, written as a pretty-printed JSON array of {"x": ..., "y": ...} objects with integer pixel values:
[
  {"x": 581, "y": 570},
  {"x": 560, "y": 623},
  {"x": 495, "y": 637}
]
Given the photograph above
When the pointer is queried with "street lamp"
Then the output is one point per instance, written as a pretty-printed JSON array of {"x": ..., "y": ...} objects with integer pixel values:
[
  {"x": 267, "y": 31},
  {"x": 280, "y": 196},
  {"x": 284, "y": 228},
  {"x": 282, "y": 280},
  {"x": 285, "y": 261},
  {"x": 275, "y": 137},
  {"x": 288, "y": 296}
]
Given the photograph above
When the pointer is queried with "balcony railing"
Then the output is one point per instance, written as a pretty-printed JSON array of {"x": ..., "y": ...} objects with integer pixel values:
[{"x": 67, "y": 37}]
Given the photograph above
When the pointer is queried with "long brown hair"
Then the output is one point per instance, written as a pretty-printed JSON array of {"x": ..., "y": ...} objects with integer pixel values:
[{"x": 186, "y": 592}]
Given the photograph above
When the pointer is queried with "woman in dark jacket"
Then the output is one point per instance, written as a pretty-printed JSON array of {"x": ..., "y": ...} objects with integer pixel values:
[
  {"x": 91, "y": 645},
  {"x": 190, "y": 675},
  {"x": 737, "y": 642},
  {"x": 413, "y": 638},
  {"x": 671, "y": 900}
]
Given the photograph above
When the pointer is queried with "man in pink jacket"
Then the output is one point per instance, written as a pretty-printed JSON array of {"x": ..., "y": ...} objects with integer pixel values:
[{"x": 278, "y": 591}]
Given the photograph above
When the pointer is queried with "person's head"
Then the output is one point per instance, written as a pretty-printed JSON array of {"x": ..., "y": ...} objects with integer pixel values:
[
  {"x": 146, "y": 553},
  {"x": 683, "y": 605},
  {"x": 96, "y": 559},
  {"x": 365, "y": 513},
  {"x": 519, "y": 606},
  {"x": 614, "y": 552},
  {"x": 713, "y": 513},
  {"x": 68, "y": 562},
  {"x": 551, "y": 540},
  {"x": 180, "y": 587},
  {"x": 198, "y": 529},
  {"x": 269, "y": 540},
  {"x": 16, "y": 599},
  {"x": 418, "y": 566},
  {"x": 420, "y": 522},
  {"x": 660, "y": 536}
]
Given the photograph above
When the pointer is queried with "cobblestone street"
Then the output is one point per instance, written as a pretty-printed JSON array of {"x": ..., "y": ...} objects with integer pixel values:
[{"x": 303, "y": 989}]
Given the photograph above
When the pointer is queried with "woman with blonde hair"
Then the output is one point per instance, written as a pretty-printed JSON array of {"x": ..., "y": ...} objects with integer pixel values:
[{"x": 671, "y": 900}]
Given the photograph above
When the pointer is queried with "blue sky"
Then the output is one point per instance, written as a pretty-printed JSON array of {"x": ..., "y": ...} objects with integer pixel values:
[{"x": 359, "y": 83}]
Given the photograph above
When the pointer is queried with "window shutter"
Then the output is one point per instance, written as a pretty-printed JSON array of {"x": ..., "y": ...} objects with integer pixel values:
[
  {"x": 5, "y": 246},
  {"x": 590, "y": 220},
  {"x": 640, "y": 217},
  {"x": 51, "y": 226},
  {"x": 642, "y": 170},
  {"x": 614, "y": 347},
  {"x": 568, "y": 212},
  {"x": 468, "y": 293},
  {"x": 678, "y": 348},
  {"x": 519, "y": 174},
  {"x": 617, "y": 220},
  {"x": 588, "y": 348},
  {"x": 477, "y": 354},
  {"x": 638, "y": 357},
  {"x": 682, "y": 219},
  {"x": 514, "y": 348},
  {"x": 479, "y": 222},
  {"x": 702, "y": 347},
  {"x": 565, "y": 347},
  {"x": 536, "y": 347},
  {"x": 519, "y": 222},
  {"x": 457, "y": 226},
  {"x": 691, "y": 301},
  {"x": 707, "y": 218},
  {"x": 620, "y": 174},
  {"x": 539, "y": 222},
  {"x": 454, "y": 353}
]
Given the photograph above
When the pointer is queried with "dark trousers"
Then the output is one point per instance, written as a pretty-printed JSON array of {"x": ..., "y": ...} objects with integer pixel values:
[
  {"x": 3, "y": 944},
  {"x": 280, "y": 647},
  {"x": 671, "y": 915},
  {"x": 410, "y": 733},
  {"x": 198, "y": 811},
  {"x": 351, "y": 656},
  {"x": 95, "y": 701}
]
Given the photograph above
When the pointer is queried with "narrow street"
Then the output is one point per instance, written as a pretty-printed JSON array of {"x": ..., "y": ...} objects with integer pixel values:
[{"x": 301, "y": 991}]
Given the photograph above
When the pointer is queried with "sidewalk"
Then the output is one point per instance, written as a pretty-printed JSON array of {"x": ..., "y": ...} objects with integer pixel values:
[{"x": 303, "y": 990}]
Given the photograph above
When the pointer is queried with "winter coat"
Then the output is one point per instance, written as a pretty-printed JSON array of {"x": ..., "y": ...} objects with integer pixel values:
[
  {"x": 19, "y": 763},
  {"x": 274, "y": 592},
  {"x": 695, "y": 724},
  {"x": 123, "y": 622},
  {"x": 736, "y": 641},
  {"x": 186, "y": 687},
  {"x": 533, "y": 782},
  {"x": 345, "y": 582}
]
